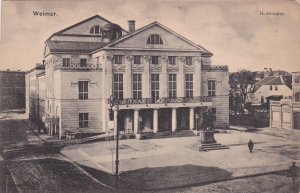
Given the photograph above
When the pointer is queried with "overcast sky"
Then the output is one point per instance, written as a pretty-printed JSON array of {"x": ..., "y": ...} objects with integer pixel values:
[{"x": 234, "y": 31}]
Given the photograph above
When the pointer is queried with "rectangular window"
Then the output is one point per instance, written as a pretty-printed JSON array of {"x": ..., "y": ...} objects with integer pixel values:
[
  {"x": 211, "y": 87},
  {"x": 172, "y": 86},
  {"x": 188, "y": 60},
  {"x": 276, "y": 87},
  {"x": 154, "y": 59},
  {"x": 118, "y": 86},
  {"x": 297, "y": 80},
  {"x": 137, "y": 59},
  {"x": 83, "y": 62},
  {"x": 118, "y": 59},
  {"x": 172, "y": 60},
  {"x": 271, "y": 87},
  {"x": 189, "y": 85},
  {"x": 137, "y": 86},
  {"x": 83, "y": 89},
  {"x": 66, "y": 62},
  {"x": 155, "y": 86},
  {"x": 83, "y": 120}
]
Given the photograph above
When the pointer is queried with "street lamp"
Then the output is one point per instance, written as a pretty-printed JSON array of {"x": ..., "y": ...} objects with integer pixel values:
[{"x": 113, "y": 103}]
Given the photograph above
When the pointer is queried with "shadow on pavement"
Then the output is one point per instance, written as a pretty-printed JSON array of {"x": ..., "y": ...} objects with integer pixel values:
[{"x": 162, "y": 177}]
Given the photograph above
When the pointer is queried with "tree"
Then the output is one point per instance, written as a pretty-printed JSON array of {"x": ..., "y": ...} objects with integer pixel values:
[{"x": 241, "y": 84}]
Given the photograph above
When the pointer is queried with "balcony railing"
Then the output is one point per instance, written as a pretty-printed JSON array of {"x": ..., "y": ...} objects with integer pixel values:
[
  {"x": 215, "y": 68},
  {"x": 163, "y": 100},
  {"x": 77, "y": 66}
]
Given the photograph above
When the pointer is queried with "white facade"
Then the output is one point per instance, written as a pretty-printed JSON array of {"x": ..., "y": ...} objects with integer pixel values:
[{"x": 161, "y": 84}]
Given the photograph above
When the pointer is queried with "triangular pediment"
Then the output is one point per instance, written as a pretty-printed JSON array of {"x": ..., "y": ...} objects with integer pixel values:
[
  {"x": 84, "y": 27},
  {"x": 171, "y": 40}
]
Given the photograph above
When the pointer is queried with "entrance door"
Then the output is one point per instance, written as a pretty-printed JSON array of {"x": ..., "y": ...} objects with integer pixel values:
[{"x": 165, "y": 119}]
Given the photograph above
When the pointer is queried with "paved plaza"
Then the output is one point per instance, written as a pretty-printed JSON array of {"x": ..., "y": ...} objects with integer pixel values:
[{"x": 274, "y": 150}]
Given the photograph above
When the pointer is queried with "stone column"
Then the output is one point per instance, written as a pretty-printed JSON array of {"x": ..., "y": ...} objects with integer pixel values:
[
  {"x": 197, "y": 82},
  {"x": 155, "y": 120},
  {"x": 128, "y": 78},
  {"x": 164, "y": 77},
  {"x": 146, "y": 79},
  {"x": 135, "y": 121},
  {"x": 191, "y": 118},
  {"x": 181, "y": 77},
  {"x": 174, "y": 120},
  {"x": 109, "y": 75}
]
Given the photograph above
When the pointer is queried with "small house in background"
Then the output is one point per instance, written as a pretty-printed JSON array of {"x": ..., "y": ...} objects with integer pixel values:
[
  {"x": 270, "y": 87},
  {"x": 286, "y": 112}
]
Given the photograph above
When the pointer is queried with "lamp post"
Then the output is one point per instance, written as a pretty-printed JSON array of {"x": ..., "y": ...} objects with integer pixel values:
[{"x": 112, "y": 101}]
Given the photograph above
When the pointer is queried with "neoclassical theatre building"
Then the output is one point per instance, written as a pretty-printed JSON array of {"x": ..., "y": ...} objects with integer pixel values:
[{"x": 162, "y": 81}]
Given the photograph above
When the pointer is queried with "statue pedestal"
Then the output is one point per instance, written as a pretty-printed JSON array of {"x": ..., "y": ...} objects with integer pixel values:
[{"x": 207, "y": 137}]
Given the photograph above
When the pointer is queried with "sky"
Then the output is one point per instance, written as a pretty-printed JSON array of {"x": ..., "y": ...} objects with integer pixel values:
[{"x": 233, "y": 30}]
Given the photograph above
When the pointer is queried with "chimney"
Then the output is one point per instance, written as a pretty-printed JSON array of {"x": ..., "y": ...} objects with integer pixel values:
[{"x": 131, "y": 26}]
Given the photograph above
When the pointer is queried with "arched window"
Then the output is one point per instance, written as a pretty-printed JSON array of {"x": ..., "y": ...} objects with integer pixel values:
[
  {"x": 95, "y": 30},
  {"x": 154, "y": 39}
]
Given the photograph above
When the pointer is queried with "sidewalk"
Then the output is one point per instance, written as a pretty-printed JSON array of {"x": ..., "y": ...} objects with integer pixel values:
[{"x": 161, "y": 161}]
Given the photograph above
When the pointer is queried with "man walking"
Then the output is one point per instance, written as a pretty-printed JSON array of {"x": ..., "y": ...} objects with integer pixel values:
[{"x": 250, "y": 146}]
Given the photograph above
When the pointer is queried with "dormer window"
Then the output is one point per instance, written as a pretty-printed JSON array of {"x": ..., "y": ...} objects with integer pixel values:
[
  {"x": 154, "y": 39},
  {"x": 95, "y": 30}
]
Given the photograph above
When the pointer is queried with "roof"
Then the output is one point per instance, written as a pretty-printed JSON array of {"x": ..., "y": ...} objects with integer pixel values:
[
  {"x": 204, "y": 51},
  {"x": 270, "y": 80},
  {"x": 275, "y": 81},
  {"x": 68, "y": 46},
  {"x": 271, "y": 73},
  {"x": 110, "y": 26},
  {"x": 79, "y": 23}
]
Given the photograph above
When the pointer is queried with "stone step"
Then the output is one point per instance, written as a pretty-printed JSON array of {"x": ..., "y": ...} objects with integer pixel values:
[
  {"x": 210, "y": 144},
  {"x": 213, "y": 146}
]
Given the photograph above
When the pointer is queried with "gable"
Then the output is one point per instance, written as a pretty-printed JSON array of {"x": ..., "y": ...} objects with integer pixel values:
[
  {"x": 170, "y": 40},
  {"x": 84, "y": 27}
]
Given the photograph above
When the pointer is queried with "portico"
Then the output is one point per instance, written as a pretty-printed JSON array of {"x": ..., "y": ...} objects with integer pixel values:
[{"x": 167, "y": 117}]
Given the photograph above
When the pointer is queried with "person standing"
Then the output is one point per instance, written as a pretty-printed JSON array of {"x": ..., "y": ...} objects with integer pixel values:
[{"x": 250, "y": 146}]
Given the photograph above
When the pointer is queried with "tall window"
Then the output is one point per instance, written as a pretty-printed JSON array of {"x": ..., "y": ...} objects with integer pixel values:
[
  {"x": 118, "y": 86},
  {"x": 66, "y": 62},
  {"x": 154, "y": 39},
  {"x": 137, "y": 59},
  {"x": 276, "y": 87},
  {"x": 189, "y": 85},
  {"x": 188, "y": 60},
  {"x": 154, "y": 59},
  {"x": 155, "y": 86},
  {"x": 137, "y": 86},
  {"x": 95, "y": 30},
  {"x": 118, "y": 59},
  {"x": 83, "y": 89},
  {"x": 83, "y": 62},
  {"x": 83, "y": 120},
  {"x": 172, "y": 86},
  {"x": 271, "y": 87},
  {"x": 172, "y": 59},
  {"x": 297, "y": 80},
  {"x": 211, "y": 84}
]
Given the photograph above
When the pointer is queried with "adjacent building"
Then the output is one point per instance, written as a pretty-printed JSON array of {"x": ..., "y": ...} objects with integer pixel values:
[
  {"x": 161, "y": 80},
  {"x": 286, "y": 112},
  {"x": 270, "y": 86},
  {"x": 12, "y": 90}
]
